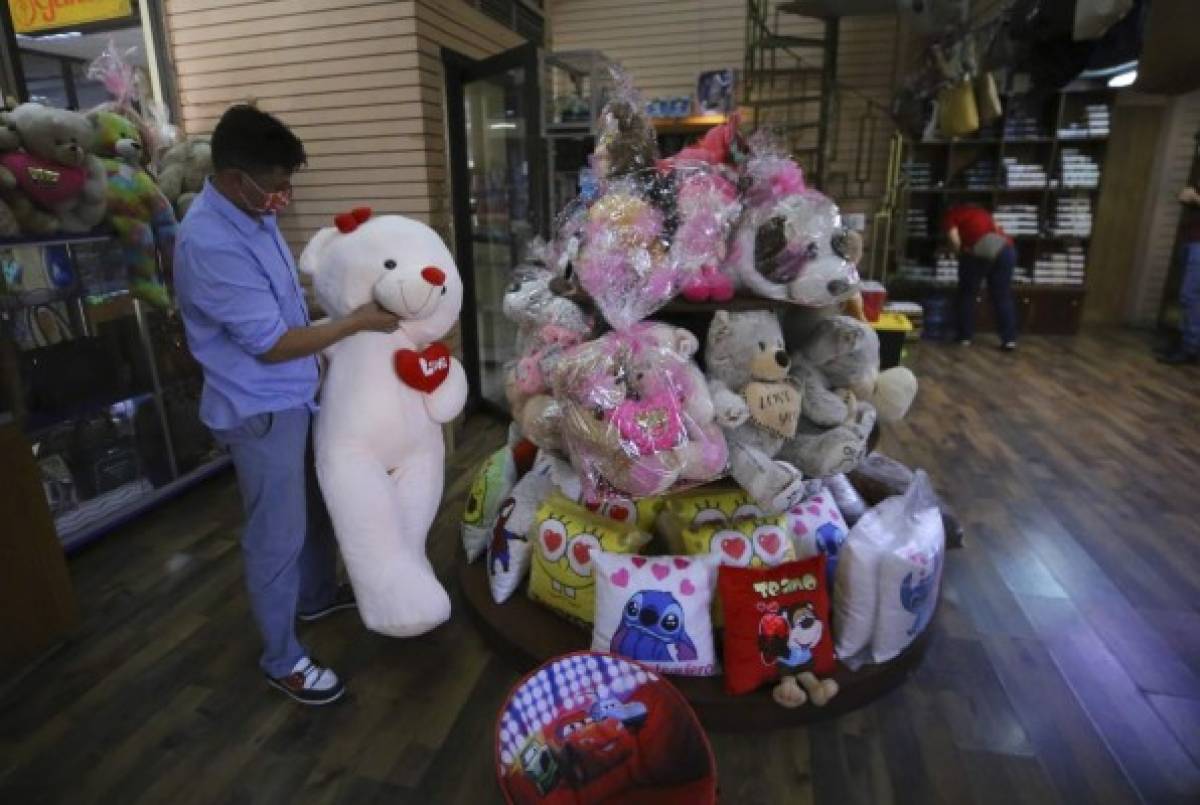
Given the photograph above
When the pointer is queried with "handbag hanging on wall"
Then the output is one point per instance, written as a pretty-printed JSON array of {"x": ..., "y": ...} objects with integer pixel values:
[{"x": 957, "y": 113}]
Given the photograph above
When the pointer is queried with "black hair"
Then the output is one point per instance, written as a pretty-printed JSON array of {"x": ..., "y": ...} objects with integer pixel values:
[{"x": 249, "y": 139}]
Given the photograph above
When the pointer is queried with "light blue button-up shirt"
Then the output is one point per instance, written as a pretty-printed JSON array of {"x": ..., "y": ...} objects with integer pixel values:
[{"x": 238, "y": 294}]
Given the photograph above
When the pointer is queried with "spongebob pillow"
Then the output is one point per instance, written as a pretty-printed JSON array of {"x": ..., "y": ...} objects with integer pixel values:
[
  {"x": 563, "y": 536},
  {"x": 700, "y": 507},
  {"x": 492, "y": 485},
  {"x": 760, "y": 542}
]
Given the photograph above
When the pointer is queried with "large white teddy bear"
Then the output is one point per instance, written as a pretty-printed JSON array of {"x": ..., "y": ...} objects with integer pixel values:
[{"x": 385, "y": 398}]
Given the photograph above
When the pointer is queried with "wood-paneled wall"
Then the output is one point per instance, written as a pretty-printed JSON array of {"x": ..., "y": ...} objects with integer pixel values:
[{"x": 360, "y": 81}]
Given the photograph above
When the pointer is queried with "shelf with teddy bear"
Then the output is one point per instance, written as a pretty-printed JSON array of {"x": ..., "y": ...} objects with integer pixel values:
[{"x": 685, "y": 487}]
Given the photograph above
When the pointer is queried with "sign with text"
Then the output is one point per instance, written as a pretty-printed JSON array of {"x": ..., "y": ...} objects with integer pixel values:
[{"x": 29, "y": 16}]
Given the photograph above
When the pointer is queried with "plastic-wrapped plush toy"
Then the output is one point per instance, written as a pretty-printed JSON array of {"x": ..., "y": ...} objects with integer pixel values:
[
  {"x": 547, "y": 324},
  {"x": 623, "y": 262},
  {"x": 635, "y": 414},
  {"x": 790, "y": 243},
  {"x": 385, "y": 398},
  {"x": 707, "y": 206},
  {"x": 138, "y": 211},
  {"x": 53, "y": 183}
]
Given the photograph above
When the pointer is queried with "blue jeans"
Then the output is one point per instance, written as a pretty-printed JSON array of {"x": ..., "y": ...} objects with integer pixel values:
[
  {"x": 972, "y": 271},
  {"x": 1189, "y": 297},
  {"x": 287, "y": 543}
]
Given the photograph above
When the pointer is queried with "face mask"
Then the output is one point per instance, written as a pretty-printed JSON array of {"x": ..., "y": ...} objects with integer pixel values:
[{"x": 274, "y": 202}]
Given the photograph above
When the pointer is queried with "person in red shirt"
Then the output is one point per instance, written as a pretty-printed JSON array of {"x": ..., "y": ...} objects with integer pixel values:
[{"x": 984, "y": 252}]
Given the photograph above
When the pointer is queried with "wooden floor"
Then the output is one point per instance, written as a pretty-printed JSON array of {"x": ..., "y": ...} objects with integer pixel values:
[{"x": 1065, "y": 664}]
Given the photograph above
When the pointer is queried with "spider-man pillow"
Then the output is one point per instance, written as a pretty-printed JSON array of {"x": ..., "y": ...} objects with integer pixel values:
[
  {"x": 563, "y": 538},
  {"x": 655, "y": 609},
  {"x": 776, "y": 622}
]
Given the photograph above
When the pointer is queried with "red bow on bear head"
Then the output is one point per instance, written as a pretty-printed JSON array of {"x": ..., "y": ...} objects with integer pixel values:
[{"x": 347, "y": 222}]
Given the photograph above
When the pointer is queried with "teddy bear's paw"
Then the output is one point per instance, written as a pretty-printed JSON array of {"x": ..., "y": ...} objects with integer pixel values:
[
  {"x": 788, "y": 693},
  {"x": 820, "y": 691},
  {"x": 731, "y": 410},
  {"x": 790, "y": 487}
]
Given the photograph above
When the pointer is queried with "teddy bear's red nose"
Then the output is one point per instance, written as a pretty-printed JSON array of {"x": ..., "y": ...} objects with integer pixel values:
[{"x": 434, "y": 276}]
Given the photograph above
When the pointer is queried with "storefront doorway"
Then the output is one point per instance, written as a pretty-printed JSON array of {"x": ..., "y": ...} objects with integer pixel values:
[{"x": 496, "y": 164}]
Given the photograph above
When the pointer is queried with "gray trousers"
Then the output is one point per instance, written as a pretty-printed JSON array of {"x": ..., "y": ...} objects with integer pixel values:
[{"x": 287, "y": 545}]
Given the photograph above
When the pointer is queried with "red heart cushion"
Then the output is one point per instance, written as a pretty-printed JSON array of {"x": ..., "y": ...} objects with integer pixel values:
[{"x": 425, "y": 370}]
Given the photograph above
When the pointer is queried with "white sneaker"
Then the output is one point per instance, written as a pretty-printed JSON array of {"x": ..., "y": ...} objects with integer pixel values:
[{"x": 309, "y": 683}]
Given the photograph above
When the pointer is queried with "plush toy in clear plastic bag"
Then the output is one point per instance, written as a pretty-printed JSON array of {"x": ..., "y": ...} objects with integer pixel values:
[
  {"x": 790, "y": 243},
  {"x": 888, "y": 576},
  {"x": 636, "y": 416}
]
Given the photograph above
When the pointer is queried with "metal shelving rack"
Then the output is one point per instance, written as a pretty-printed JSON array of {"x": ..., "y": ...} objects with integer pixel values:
[
  {"x": 1044, "y": 307},
  {"x": 89, "y": 313}
]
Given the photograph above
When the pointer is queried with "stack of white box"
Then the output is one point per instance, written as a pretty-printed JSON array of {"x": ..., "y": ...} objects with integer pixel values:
[
  {"x": 918, "y": 223},
  {"x": 1079, "y": 169},
  {"x": 1020, "y": 125},
  {"x": 1022, "y": 275},
  {"x": 1073, "y": 217},
  {"x": 1060, "y": 268},
  {"x": 920, "y": 174},
  {"x": 946, "y": 269},
  {"x": 1017, "y": 219},
  {"x": 1021, "y": 176},
  {"x": 915, "y": 272},
  {"x": 1098, "y": 119},
  {"x": 981, "y": 175}
]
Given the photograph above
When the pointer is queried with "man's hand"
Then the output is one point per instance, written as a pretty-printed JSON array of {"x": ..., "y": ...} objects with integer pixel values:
[
  {"x": 1188, "y": 195},
  {"x": 371, "y": 317}
]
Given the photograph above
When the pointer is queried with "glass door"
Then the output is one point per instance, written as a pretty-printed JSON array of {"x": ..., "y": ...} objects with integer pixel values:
[{"x": 495, "y": 163}]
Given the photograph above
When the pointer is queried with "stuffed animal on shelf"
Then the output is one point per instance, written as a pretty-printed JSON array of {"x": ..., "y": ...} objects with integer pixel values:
[
  {"x": 138, "y": 211},
  {"x": 707, "y": 206},
  {"x": 790, "y": 243},
  {"x": 547, "y": 324},
  {"x": 756, "y": 403},
  {"x": 183, "y": 169},
  {"x": 831, "y": 437},
  {"x": 379, "y": 448},
  {"x": 635, "y": 415},
  {"x": 9, "y": 226},
  {"x": 890, "y": 392},
  {"x": 52, "y": 182}
]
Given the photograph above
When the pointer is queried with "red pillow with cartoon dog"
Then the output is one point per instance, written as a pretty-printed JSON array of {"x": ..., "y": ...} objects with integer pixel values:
[{"x": 776, "y": 621}]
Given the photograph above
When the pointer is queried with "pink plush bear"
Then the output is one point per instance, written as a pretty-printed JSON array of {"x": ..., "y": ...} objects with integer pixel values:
[
  {"x": 707, "y": 205},
  {"x": 636, "y": 415}
]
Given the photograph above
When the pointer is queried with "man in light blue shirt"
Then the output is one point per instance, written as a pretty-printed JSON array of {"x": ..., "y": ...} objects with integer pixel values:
[{"x": 247, "y": 325}]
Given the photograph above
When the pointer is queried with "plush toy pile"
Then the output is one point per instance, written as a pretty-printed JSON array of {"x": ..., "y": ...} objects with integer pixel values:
[
  {"x": 685, "y": 481},
  {"x": 70, "y": 173}
]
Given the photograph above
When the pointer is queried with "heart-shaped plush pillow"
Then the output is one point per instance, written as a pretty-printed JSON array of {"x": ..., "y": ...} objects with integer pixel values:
[{"x": 424, "y": 370}]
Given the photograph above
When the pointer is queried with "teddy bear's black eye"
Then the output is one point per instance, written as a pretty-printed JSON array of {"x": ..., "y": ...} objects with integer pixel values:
[{"x": 389, "y": 264}]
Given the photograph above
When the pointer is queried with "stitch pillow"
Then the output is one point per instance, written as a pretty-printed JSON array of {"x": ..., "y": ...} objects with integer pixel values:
[
  {"x": 509, "y": 550},
  {"x": 492, "y": 486},
  {"x": 655, "y": 609},
  {"x": 817, "y": 526},
  {"x": 562, "y": 539},
  {"x": 776, "y": 621},
  {"x": 698, "y": 507},
  {"x": 909, "y": 577},
  {"x": 761, "y": 542}
]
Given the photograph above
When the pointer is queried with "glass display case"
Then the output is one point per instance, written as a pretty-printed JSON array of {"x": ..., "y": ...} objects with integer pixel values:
[{"x": 101, "y": 384}]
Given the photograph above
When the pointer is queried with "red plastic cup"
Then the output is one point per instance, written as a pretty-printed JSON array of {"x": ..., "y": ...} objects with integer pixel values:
[{"x": 873, "y": 295}]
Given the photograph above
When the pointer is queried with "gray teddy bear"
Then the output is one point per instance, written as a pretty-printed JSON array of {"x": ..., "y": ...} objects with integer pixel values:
[
  {"x": 756, "y": 404},
  {"x": 827, "y": 352}
]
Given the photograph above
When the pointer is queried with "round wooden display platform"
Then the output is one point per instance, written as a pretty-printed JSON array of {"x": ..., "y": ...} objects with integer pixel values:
[{"x": 529, "y": 634}]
